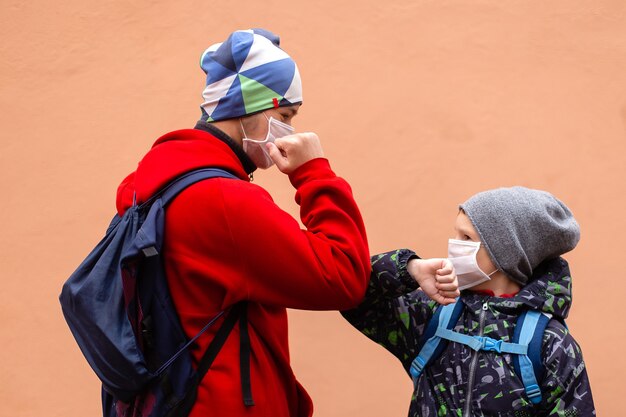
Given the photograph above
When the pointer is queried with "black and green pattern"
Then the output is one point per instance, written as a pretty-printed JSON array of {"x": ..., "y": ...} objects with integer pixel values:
[{"x": 394, "y": 314}]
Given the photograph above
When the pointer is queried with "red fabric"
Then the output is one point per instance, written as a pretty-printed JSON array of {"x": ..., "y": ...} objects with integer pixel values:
[
  {"x": 227, "y": 241},
  {"x": 493, "y": 294}
]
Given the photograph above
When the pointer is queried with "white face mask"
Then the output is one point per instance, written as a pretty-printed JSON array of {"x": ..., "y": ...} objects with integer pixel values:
[
  {"x": 256, "y": 149},
  {"x": 462, "y": 254}
]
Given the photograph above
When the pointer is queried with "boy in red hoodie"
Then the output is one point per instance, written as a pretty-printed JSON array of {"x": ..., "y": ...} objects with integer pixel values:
[{"x": 227, "y": 242}]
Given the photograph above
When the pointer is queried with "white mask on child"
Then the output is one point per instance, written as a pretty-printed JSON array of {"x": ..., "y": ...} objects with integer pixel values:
[
  {"x": 462, "y": 254},
  {"x": 257, "y": 149}
]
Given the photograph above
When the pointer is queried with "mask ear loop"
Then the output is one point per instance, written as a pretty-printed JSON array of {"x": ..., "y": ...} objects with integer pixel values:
[
  {"x": 269, "y": 125},
  {"x": 254, "y": 140},
  {"x": 480, "y": 245},
  {"x": 242, "y": 129},
  {"x": 496, "y": 270}
]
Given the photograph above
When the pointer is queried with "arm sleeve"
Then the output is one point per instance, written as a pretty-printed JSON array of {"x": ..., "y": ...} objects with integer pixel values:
[
  {"x": 322, "y": 267},
  {"x": 565, "y": 386},
  {"x": 393, "y": 313}
]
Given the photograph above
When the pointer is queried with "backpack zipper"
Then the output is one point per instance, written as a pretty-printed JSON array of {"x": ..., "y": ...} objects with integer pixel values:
[{"x": 470, "y": 382}]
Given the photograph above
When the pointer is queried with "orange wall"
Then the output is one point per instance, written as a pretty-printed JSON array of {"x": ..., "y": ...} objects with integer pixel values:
[{"x": 419, "y": 105}]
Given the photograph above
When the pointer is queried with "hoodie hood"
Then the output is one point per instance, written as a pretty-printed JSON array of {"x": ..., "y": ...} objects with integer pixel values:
[
  {"x": 172, "y": 155},
  {"x": 549, "y": 291}
]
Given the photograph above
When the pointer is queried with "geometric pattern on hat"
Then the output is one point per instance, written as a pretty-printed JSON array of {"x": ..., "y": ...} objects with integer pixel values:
[{"x": 246, "y": 74}]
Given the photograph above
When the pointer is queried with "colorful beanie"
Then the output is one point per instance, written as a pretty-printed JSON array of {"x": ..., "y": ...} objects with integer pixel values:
[{"x": 246, "y": 74}]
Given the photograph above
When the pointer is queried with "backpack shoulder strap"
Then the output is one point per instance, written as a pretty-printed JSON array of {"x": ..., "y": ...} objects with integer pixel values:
[
  {"x": 171, "y": 190},
  {"x": 431, "y": 344},
  {"x": 529, "y": 331},
  {"x": 148, "y": 241}
]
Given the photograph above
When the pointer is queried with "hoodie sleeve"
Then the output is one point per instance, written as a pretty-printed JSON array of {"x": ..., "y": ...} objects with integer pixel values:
[
  {"x": 322, "y": 267},
  {"x": 393, "y": 313},
  {"x": 565, "y": 386}
]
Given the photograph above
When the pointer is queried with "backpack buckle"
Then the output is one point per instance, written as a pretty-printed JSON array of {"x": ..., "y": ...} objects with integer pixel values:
[
  {"x": 151, "y": 251},
  {"x": 417, "y": 367},
  {"x": 534, "y": 393},
  {"x": 491, "y": 345}
]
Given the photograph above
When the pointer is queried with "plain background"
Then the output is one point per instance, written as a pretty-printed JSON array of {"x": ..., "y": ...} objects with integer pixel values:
[{"x": 419, "y": 105}]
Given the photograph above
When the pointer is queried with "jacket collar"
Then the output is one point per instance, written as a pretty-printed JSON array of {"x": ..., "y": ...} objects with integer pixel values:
[
  {"x": 549, "y": 290},
  {"x": 247, "y": 163}
]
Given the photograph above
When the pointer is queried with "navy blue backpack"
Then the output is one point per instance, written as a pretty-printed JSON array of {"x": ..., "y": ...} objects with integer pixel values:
[
  {"x": 525, "y": 345},
  {"x": 118, "y": 307}
]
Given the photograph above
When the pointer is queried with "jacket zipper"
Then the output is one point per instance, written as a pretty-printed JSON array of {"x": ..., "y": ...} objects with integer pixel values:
[{"x": 470, "y": 382}]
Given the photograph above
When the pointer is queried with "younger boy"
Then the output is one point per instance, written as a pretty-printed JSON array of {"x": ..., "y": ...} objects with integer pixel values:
[{"x": 506, "y": 255}]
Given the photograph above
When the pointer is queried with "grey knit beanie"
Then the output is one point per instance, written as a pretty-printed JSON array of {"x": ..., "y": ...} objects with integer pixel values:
[{"x": 521, "y": 228}]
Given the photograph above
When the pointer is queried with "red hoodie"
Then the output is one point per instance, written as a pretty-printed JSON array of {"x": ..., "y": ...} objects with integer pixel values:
[{"x": 227, "y": 241}]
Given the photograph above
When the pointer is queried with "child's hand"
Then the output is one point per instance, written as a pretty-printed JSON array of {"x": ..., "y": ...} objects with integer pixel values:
[{"x": 436, "y": 277}]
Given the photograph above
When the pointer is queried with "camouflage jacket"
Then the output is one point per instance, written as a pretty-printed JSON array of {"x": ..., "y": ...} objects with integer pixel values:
[{"x": 462, "y": 382}]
